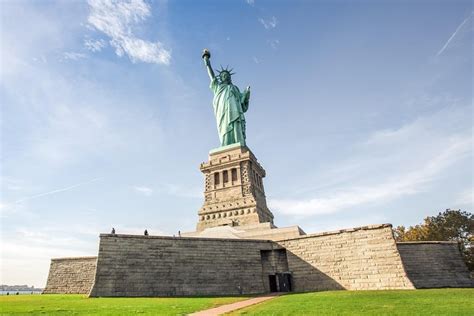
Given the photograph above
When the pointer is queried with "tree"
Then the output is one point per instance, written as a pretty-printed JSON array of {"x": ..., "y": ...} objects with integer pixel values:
[{"x": 450, "y": 225}]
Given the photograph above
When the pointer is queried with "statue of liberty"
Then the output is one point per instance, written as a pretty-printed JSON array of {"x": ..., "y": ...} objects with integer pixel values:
[{"x": 229, "y": 104}]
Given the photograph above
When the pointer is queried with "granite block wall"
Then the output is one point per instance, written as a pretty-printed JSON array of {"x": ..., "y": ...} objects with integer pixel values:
[
  {"x": 434, "y": 264},
  {"x": 364, "y": 258},
  {"x": 71, "y": 275},
  {"x": 130, "y": 265}
]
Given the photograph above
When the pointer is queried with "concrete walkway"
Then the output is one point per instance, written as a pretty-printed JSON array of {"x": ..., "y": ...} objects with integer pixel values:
[{"x": 235, "y": 306}]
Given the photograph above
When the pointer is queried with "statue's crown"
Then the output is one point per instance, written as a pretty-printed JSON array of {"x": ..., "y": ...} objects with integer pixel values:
[{"x": 226, "y": 69}]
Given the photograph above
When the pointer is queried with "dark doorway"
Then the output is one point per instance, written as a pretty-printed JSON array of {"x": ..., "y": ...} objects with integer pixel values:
[
  {"x": 284, "y": 282},
  {"x": 273, "y": 283}
]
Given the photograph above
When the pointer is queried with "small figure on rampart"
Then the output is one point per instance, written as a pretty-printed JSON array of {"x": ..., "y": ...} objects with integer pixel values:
[
  {"x": 113, "y": 231},
  {"x": 145, "y": 232}
]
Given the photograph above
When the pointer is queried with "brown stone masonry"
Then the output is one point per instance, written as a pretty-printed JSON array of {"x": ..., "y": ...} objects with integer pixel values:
[
  {"x": 363, "y": 258},
  {"x": 130, "y": 265},
  {"x": 434, "y": 264},
  {"x": 234, "y": 194},
  {"x": 71, "y": 275}
]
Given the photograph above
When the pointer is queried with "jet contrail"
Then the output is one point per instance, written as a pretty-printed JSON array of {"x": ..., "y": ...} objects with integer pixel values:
[
  {"x": 55, "y": 191},
  {"x": 452, "y": 36}
]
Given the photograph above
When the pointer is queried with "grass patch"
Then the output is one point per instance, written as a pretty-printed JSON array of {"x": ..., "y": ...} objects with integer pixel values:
[
  {"x": 408, "y": 302},
  {"x": 415, "y": 302},
  {"x": 82, "y": 305}
]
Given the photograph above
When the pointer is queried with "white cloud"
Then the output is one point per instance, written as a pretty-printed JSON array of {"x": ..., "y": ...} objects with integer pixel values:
[
  {"x": 73, "y": 56},
  {"x": 26, "y": 251},
  {"x": 94, "y": 45},
  {"x": 63, "y": 125},
  {"x": 66, "y": 119},
  {"x": 179, "y": 191},
  {"x": 250, "y": 2},
  {"x": 143, "y": 190},
  {"x": 274, "y": 43},
  {"x": 445, "y": 46},
  {"x": 60, "y": 121},
  {"x": 18, "y": 206},
  {"x": 466, "y": 197},
  {"x": 116, "y": 20},
  {"x": 270, "y": 23},
  {"x": 26, "y": 255},
  {"x": 56, "y": 191},
  {"x": 11, "y": 184},
  {"x": 140, "y": 50},
  {"x": 391, "y": 164}
]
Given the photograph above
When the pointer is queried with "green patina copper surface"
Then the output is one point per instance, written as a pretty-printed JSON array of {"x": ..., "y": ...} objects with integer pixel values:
[{"x": 229, "y": 105}]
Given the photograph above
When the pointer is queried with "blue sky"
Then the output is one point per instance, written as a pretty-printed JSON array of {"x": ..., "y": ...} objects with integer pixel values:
[{"x": 360, "y": 112}]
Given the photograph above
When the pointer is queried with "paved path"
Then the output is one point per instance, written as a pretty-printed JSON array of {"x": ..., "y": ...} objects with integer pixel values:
[{"x": 234, "y": 306}]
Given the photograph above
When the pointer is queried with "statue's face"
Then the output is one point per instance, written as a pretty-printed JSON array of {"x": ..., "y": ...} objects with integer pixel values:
[{"x": 225, "y": 77}]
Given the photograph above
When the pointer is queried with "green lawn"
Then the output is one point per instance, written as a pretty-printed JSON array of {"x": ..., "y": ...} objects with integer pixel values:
[
  {"x": 416, "y": 302},
  {"x": 81, "y": 305},
  {"x": 409, "y": 302}
]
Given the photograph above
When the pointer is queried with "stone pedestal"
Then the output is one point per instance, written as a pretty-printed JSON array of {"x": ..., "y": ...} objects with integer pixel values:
[{"x": 234, "y": 194}]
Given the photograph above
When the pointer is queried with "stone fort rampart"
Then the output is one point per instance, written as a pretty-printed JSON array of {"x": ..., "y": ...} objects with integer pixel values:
[
  {"x": 130, "y": 265},
  {"x": 71, "y": 275},
  {"x": 434, "y": 264},
  {"x": 364, "y": 258}
]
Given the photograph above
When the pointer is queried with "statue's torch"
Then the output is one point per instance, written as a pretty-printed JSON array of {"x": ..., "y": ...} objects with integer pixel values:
[{"x": 206, "y": 54}]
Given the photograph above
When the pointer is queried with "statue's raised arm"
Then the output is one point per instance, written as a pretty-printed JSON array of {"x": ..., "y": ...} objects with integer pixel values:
[{"x": 206, "y": 55}]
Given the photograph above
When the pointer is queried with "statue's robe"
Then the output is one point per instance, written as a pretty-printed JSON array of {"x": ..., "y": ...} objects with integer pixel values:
[{"x": 229, "y": 108}]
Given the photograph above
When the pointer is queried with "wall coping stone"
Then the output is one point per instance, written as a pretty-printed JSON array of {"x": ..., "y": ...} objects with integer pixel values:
[
  {"x": 74, "y": 258},
  {"x": 186, "y": 238},
  {"x": 340, "y": 231}
]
